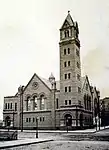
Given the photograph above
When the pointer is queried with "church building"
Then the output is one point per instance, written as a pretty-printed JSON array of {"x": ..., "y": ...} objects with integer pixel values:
[{"x": 55, "y": 104}]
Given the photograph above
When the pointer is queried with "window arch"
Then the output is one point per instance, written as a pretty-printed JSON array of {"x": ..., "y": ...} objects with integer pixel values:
[
  {"x": 28, "y": 103},
  {"x": 64, "y": 51},
  {"x": 68, "y": 50},
  {"x": 67, "y": 33},
  {"x": 35, "y": 102},
  {"x": 42, "y": 102}
]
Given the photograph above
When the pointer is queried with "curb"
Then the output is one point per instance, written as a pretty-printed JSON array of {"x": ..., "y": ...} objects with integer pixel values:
[
  {"x": 66, "y": 132},
  {"x": 24, "y": 144},
  {"x": 101, "y": 130}
]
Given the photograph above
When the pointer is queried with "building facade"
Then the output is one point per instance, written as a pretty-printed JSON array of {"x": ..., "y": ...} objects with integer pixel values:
[
  {"x": 56, "y": 104},
  {"x": 104, "y": 111}
]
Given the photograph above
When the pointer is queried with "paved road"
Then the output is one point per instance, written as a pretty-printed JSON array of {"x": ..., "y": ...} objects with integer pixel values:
[
  {"x": 62, "y": 141},
  {"x": 66, "y": 145}
]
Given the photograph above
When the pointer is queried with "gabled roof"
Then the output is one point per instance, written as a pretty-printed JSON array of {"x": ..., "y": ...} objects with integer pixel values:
[
  {"x": 83, "y": 80},
  {"x": 47, "y": 82},
  {"x": 51, "y": 76},
  {"x": 39, "y": 79},
  {"x": 69, "y": 20}
]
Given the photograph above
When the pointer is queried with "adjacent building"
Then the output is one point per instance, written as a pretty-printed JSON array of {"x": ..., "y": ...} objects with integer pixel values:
[
  {"x": 56, "y": 104},
  {"x": 104, "y": 111}
]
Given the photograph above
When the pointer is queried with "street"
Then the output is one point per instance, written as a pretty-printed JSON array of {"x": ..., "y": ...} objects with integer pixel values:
[
  {"x": 66, "y": 145},
  {"x": 62, "y": 141}
]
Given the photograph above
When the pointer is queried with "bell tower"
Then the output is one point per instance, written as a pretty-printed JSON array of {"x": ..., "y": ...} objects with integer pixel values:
[{"x": 70, "y": 65}]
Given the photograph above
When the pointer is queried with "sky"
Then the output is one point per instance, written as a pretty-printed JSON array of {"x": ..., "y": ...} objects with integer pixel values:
[{"x": 29, "y": 41}]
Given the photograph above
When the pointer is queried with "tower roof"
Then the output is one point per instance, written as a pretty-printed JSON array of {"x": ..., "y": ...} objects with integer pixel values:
[
  {"x": 51, "y": 76},
  {"x": 69, "y": 20}
]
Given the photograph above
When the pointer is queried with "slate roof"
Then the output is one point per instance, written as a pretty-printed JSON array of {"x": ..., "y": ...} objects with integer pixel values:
[
  {"x": 69, "y": 20},
  {"x": 47, "y": 82}
]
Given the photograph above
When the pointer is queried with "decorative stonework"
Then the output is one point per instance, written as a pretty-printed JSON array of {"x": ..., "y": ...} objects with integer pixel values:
[{"x": 35, "y": 85}]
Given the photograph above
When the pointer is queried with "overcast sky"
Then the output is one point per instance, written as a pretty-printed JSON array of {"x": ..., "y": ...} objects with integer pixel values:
[{"x": 29, "y": 37}]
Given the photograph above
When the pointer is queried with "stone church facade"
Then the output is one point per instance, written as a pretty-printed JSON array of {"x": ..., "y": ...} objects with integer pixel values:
[{"x": 56, "y": 104}]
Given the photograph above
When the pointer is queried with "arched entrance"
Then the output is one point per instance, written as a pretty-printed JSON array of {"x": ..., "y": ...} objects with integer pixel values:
[
  {"x": 7, "y": 121},
  {"x": 68, "y": 120}
]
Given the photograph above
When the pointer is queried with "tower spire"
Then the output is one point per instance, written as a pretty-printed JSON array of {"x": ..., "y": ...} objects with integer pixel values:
[{"x": 68, "y": 11}]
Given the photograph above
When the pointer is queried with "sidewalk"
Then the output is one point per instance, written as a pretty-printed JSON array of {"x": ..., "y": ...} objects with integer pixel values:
[
  {"x": 21, "y": 142},
  {"x": 64, "y": 131}
]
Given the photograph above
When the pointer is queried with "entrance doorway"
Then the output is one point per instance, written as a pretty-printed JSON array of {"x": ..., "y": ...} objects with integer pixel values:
[
  {"x": 68, "y": 120},
  {"x": 7, "y": 121}
]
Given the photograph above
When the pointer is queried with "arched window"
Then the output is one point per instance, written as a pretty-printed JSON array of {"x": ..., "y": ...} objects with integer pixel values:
[
  {"x": 67, "y": 33},
  {"x": 68, "y": 50},
  {"x": 64, "y": 51},
  {"x": 42, "y": 102},
  {"x": 68, "y": 63},
  {"x": 28, "y": 103},
  {"x": 35, "y": 105}
]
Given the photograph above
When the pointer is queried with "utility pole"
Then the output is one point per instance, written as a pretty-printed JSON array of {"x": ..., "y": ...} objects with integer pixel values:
[
  {"x": 99, "y": 108},
  {"x": 92, "y": 106},
  {"x": 20, "y": 89}
]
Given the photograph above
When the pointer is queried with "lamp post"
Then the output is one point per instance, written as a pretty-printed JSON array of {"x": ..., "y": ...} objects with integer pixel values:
[
  {"x": 36, "y": 127},
  {"x": 20, "y": 89},
  {"x": 67, "y": 124},
  {"x": 95, "y": 112},
  {"x": 92, "y": 91},
  {"x": 99, "y": 108}
]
